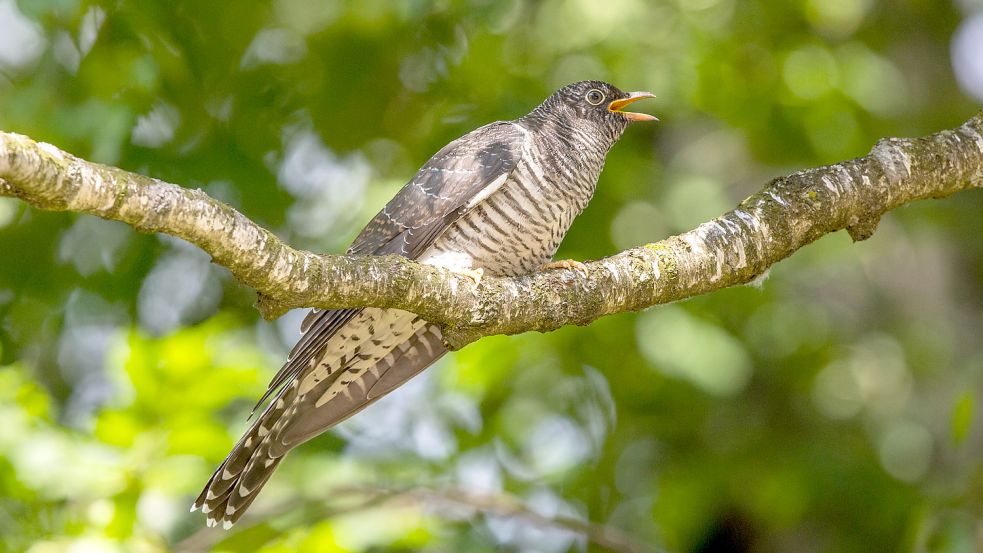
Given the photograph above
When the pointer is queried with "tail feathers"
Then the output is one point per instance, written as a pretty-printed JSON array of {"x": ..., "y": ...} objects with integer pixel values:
[
  {"x": 333, "y": 389},
  {"x": 253, "y": 479},
  {"x": 237, "y": 481},
  {"x": 227, "y": 495},
  {"x": 233, "y": 504}
]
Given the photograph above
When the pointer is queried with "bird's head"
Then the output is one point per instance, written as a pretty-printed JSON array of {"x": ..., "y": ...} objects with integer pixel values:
[{"x": 594, "y": 105}]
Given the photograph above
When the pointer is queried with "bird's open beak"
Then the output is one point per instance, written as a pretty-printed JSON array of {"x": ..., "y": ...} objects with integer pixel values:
[{"x": 619, "y": 104}]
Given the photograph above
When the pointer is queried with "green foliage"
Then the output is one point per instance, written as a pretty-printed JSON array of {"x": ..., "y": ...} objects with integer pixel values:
[
  {"x": 121, "y": 474},
  {"x": 833, "y": 408}
]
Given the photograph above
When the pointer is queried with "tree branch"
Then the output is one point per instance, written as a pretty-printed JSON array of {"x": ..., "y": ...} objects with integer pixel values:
[
  {"x": 346, "y": 500},
  {"x": 732, "y": 249}
]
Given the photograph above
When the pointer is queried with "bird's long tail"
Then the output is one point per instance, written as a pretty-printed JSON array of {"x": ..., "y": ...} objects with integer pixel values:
[
  {"x": 237, "y": 481},
  {"x": 329, "y": 389}
]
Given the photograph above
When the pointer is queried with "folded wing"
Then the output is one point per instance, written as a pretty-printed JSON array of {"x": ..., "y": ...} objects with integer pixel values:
[{"x": 348, "y": 358}]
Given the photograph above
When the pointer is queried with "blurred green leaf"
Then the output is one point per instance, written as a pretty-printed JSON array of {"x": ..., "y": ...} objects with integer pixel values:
[{"x": 962, "y": 417}]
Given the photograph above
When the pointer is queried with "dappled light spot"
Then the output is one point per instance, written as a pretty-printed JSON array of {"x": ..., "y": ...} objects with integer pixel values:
[
  {"x": 276, "y": 46},
  {"x": 182, "y": 287},
  {"x": 328, "y": 187},
  {"x": 906, "y": 450},
  {"x": 810, "y": 72},
  {"x": 837, "y": 18},
  {"x": 967, "y": 55},
  {"x": 478, "y": 470},
  {"x": 872, "y": 80},
  {"x": 306, "y": 16},
  {"x": 8, "y": 211},
  {"x": 21, "y": 40},
  {"x": 873, "y": 376},
  {"x": 836, "y": 393},
  {"x": 156, "y": 127},
  {"x": 683, "y": 346},
  {"x": 554, "y": 445}
]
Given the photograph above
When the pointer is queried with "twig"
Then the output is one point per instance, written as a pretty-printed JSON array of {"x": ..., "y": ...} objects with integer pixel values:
[{"x": 371, "y": 497}]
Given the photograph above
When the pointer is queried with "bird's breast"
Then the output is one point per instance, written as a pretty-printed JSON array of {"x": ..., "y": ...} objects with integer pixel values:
[{"x": 518, "y": 228}]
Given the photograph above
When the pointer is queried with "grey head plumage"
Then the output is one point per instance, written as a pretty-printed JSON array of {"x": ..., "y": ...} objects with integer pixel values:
[{"x": 587, "y": 109}]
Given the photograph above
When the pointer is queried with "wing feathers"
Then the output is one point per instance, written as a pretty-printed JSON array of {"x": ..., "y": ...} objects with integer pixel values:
[
  {"x": 296, "y": 416},
  {"x": 426, "y": 346},
  {"x": 346, "y": 359}
]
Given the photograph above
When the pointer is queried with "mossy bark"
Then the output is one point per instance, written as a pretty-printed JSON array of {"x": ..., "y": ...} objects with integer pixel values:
[{"x": 732, "y": 249}]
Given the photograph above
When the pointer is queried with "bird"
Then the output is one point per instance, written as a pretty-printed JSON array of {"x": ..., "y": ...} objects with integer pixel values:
[{"x": 496, "y": 201}]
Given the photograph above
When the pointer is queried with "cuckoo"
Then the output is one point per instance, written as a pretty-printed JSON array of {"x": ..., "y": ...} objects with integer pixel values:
[{"x": 496, "y": 201}]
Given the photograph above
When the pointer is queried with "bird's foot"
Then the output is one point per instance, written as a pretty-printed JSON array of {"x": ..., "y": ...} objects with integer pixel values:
[
  {"x": 473, "y": 274},
  {"x": 565, "y": 264}
]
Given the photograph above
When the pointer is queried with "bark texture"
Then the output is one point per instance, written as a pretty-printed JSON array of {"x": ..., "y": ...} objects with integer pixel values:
[{"x": 735, "y": 248}]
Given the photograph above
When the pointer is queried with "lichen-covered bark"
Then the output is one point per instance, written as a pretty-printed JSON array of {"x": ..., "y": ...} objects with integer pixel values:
[{"x": 732, "y": 249}]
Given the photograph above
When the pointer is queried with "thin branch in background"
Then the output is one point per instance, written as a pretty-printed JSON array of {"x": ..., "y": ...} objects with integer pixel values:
[
  {"x": 508, "y": 506},
  {"x": 207, "y": 537},
  {"x": 367, "y": 498}
]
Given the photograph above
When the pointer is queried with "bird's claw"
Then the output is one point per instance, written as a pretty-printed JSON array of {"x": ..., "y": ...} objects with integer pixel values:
[
  {"x": 565, "y": 264},
  {"x": 473, "y": 274}
]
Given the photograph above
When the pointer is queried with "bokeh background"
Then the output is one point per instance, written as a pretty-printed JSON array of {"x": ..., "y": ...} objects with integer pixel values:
[{"x": 835, "y": 408}]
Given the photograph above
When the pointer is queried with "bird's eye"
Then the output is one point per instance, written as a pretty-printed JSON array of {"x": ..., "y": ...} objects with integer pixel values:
[{"x": 595, "y": 97}]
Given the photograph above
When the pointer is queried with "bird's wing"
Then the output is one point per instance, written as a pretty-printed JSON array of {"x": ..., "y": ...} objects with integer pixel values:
[
  {"x": 346, "y": 359},
  {"x": 331, "y": 392},
  {"x": 455, "y": 180}
]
